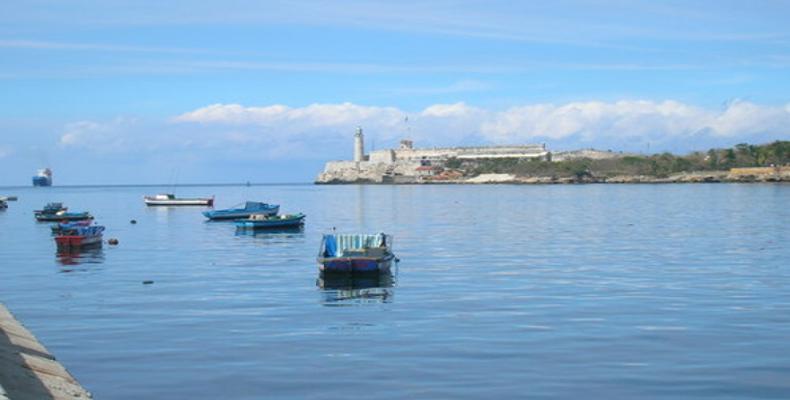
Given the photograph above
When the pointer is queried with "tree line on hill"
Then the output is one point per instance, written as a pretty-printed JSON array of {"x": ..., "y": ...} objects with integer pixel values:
[{"x": 657, "y": 165}]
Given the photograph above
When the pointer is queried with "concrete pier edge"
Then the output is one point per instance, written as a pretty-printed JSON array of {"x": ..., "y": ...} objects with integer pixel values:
[{"x": 28, "y": 370}]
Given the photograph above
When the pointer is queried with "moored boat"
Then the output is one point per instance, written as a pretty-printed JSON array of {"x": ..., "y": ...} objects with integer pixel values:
[
  {"x": 250, "y": 207},
  {"x": 79, "y": 237},
  {"x": 51, "y": 208},
  {"x": 169, "y": 199},
  {"x": 356, "y": 253},
  {"x": 62, "y": 216},
  {"x": 263, "y": 221}
]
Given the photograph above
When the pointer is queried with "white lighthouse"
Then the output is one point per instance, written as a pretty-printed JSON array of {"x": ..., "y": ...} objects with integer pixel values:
[{"x": 359, "y": 146}]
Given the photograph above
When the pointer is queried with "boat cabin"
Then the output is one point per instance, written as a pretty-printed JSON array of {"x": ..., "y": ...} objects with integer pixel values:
[{"x": 356, "y": 245}]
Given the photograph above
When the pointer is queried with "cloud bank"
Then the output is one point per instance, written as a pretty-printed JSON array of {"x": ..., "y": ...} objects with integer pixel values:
[
  {"x": 584, "y": 122},
  {"x": 321, "y": 131}
]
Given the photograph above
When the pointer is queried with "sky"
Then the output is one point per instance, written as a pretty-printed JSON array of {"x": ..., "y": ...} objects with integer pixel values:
[{"x": 178, "y": 92}]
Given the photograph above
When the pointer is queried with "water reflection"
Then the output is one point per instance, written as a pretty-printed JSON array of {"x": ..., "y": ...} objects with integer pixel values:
[
  {"x": 296, "y": 231},
  {"x": 72, "y": 257},
  {"x": 348, "y": 289}
]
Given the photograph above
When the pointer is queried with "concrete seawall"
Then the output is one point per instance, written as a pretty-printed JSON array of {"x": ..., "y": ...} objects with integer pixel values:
[{"x": 27, "y": 369}]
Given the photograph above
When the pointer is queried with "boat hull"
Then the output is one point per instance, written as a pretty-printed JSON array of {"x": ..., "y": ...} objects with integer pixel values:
[
  {"x": 179, "y": 202},
  {"x": 63, "y": 217},
  {"x": 240, "y": 214},
  {"x": 41, "y": 181},
  {"x": 75, "y": 242},
  {"x": 355, "y": 264},
  {"x": 270, "y": 224}
]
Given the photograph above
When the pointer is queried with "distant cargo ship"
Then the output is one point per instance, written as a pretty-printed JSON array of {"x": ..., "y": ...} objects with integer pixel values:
[{"x": 43, "y": 177}]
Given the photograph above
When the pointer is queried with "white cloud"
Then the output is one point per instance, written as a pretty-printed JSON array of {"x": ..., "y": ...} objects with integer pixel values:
[
  {"x": 457, "y": 110},
  {"x": 115, "y": 135},
  {"x": 284, "y": 121},
  {"x": 234, "y": 131},
  {"x": 589, "y": 121}
]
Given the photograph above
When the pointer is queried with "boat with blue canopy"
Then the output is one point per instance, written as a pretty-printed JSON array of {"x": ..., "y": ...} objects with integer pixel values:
[
  {"x": 250, "y": 208},
  {"x": 79, "y": 236},
  {"x": 263, "y": 221},
  {"x": 356, "y": 253}
]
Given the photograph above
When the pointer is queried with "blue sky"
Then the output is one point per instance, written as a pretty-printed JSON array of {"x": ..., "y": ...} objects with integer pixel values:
[{"x": 234, "y": 91}]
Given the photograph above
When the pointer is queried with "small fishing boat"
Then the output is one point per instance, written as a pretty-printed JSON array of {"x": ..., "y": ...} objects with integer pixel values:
[
  {"x": 51, "y": 208},
  {"x": 79, "y": 237},
  {"x": 63, "y": 216},
  {"x": 3, "y": 204},
  {"x": 356, "y": 253},
  {"x": 169, "y": 199},
  {"x": 263, "y": 221},
  {"x": 62, "y": 226},
  {"x": 250, "y": 207}
]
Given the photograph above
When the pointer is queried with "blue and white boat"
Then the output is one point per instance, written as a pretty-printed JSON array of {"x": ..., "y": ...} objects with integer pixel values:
[
  {"x": 43, "y": 177},
  {"x": 250, "y": 208},
  {"x": 356, "y": 253},
  {"x": 262, "y": 221}
]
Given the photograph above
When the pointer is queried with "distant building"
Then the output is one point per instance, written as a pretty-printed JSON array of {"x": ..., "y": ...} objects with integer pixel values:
[{"x": 407, "y": 162}]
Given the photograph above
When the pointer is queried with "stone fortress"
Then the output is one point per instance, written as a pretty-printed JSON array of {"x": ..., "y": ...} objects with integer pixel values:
[{"x": 407, "y": 164}]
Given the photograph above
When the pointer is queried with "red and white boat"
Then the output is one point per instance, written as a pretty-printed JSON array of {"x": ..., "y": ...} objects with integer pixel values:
[{"x": 79, "y": 236}]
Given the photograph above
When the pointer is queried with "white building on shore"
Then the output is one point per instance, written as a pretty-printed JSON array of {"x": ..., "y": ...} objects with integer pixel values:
[{"x": 406, "y": 160}]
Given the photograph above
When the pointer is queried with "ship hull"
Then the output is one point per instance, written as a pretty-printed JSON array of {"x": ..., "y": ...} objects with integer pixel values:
[
  {"x": 42, "y": 181},
  {"x": 179, "y": 202}
]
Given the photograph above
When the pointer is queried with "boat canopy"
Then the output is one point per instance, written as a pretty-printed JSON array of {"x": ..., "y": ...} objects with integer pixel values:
[
  {"x": 336, "y": 245},
  {"x": 255, "y": 205},
  {"x": 91, "y": 230}
]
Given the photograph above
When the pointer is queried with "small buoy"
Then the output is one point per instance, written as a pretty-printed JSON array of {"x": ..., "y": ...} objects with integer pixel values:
[
  {"x": 148, "y": 282},
  {"x": 112, "y": 241},
  {"x": 134, "y": 221}
]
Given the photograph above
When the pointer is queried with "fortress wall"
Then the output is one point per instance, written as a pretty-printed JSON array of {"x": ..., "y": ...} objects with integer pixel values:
[
  {"x": 759, "y": 170},
  {"x": 382, "y": 156},
  {"x": 335, "y": 166},
  {"x": 529, "y": 151}
]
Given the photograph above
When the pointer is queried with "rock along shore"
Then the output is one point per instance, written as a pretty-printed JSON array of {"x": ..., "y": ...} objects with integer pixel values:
[{"x": 735, "y": 176}]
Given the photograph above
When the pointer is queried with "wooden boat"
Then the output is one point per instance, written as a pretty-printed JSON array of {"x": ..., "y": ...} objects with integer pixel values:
[
  {"x": 250, "y": 207},
  {"x": 263, "y": 221},
  {"x": 356, "y": 253},
  {"x": 79, "y": 237},
  {"x": 168, "y": 199},
  {"x": 61, "y": 226},
  {"x": 64, "y": 216}
]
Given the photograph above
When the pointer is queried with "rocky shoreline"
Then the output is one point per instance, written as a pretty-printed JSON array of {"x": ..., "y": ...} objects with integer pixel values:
[{"x": 782, "y": 175}]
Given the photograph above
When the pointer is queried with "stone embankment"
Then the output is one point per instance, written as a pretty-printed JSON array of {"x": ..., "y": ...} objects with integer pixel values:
[{"x": 27, "y": 370}]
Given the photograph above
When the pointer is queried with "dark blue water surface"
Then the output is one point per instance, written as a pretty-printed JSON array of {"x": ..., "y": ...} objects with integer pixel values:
[{"x": 604, "y": 291}]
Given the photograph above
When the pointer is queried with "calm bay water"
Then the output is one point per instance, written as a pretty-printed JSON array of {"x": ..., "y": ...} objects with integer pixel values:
[{"x": 503, "y": 291}]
